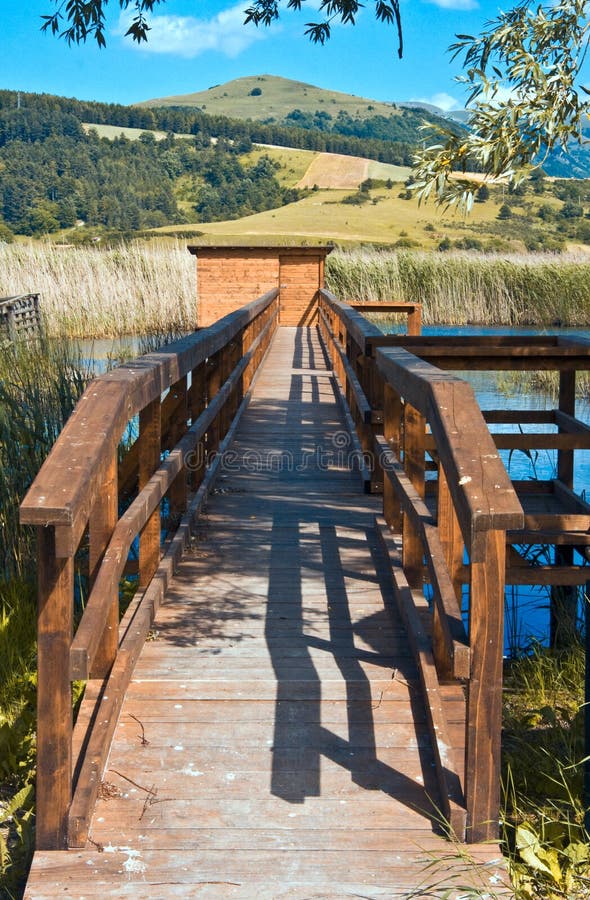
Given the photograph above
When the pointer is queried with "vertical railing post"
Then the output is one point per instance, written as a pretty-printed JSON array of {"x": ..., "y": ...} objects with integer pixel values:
[
  {"x": 150, "y": 437},
  {"x": 197, "y": 403},
  {"x": 178, "y": 425},
  {"x": 451, "y": 540},
  {"x": 102, "y": 522},
  {"x": 415, "y": 320},
  {"x": 392, "y": 424},
  {"x": 375, "y": 397},
  {"x": 54, "y": 693},
  {"x": 226, "y": 367},
  {"x": 414, "y": 431},
  {"x": 564, "y": 598},
  {"x": 487, "y": 556},
  {"x": 213, "y": 386}
]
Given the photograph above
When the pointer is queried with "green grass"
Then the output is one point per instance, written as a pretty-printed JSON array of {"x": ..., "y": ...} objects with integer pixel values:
[
  {"x": 40, "y": 383},
  {"x": 385, "y": 219},
  {"x": 543, "y": 750},
  {"x": 279, "y": 96},
  {"x": 132, "y": 134},
  {"x": 293, "y": 163},
  {"x": 18, "y": 635}
]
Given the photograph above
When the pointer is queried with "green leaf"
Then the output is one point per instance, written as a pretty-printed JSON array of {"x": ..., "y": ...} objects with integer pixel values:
[{"x": 531, "y": 851}]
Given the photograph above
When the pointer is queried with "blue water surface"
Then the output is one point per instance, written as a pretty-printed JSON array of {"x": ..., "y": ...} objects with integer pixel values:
[{"x": 526, "y": 608}]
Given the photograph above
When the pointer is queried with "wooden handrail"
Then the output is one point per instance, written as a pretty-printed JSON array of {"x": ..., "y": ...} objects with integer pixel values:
[
  {"x": 482, "y": 491},
  {"x": 394, "y": 394},
  {"x": 97, "y": 424},
  {"x": 195, "y": 386},
  {"x": 86, "y": 641}
]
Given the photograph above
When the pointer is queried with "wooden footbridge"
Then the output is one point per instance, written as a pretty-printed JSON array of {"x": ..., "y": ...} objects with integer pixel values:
[{"x": 290, "y": 705}]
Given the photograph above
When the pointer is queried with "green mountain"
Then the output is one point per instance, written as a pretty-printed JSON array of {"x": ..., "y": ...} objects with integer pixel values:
[
  {"x": 272, "y": 100},
  {"x": 264, "y": 97}
]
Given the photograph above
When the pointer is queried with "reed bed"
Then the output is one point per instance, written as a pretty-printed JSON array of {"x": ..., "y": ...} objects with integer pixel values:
[
  {"x": 40, "y": 383},
  {"x": 87, "y": 292},
  {"x": 459, "y": 289},
  {"x": 139, "y": 288}
]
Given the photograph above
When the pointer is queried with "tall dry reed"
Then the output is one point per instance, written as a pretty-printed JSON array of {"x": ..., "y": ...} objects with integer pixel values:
[
  {"x": 151, "y": 288},
  {"x": 93, "y": 293},
  {"x": 456, "y": 289}
]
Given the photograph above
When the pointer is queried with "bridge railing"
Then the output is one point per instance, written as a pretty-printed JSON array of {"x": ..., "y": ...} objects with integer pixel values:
[
  {"x": 444, "y": 510},
  {"x": 20, "y": 317},
  {"x": 182, "y": 402}
]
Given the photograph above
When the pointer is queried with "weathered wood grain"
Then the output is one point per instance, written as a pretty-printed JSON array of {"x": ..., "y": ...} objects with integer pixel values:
[{"x": 272, "y": 740}]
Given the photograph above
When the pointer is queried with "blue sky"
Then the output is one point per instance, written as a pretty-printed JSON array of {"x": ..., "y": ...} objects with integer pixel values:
[{"x": 197, "y": 43}]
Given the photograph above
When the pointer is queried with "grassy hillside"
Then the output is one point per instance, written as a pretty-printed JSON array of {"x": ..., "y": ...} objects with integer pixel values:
[
  {"x": 277, "y": 97},
  {"x": 132, "y": 134},
  {"x": 535, "y": 219},
  {"x": 332, "y": 170},
  {"x": 385, "y": 218}
]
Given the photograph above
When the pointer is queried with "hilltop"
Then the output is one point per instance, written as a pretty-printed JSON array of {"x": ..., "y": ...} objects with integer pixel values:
[
  {"x": 263, "y": 97},
  {"x": 270, "y": 99}
]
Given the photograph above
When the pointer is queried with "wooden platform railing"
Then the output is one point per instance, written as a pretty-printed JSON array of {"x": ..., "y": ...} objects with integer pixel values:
[
  {"x": 399, "y": 403},
  {"x": 557, "y": 516},
  {"x": 20, "y": 317},
  {"x": 184, "y": 400},
  {"x": 411, "y": 311}
]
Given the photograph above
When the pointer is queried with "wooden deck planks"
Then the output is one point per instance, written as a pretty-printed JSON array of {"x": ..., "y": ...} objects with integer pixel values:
[{"x": 273, "y": 742}]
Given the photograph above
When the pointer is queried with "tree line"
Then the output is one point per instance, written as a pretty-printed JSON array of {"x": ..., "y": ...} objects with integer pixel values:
[
  {"x": 53, "y": 174},
  {"x": 391, "y": 139}
]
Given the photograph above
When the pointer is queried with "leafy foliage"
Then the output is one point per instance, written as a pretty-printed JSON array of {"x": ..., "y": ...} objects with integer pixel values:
[
  {"x": 543, "y": 748},
  {"x": 55, "y": 175},
  {"x": 522, "y": 74},
  {"x": 265, "y": 12},
  {"x": 76, "y": 20},
  {"x": 86, "y": 18}
]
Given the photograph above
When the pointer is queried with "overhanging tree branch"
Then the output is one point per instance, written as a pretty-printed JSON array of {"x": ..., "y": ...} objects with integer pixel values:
[
  {"x": 77, "y": 20},
  {"x": 525, "y": 99}
]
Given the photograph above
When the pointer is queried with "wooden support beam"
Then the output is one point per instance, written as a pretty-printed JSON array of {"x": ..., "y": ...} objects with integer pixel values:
[
  {"x": 102, "y": 524},
  {"x": 149, "y": 459},
  {"x": 54, "y": 695},
  {"x": 453, "y": 646},
  {"x": 487, "y": 556},
  {"x": 414, "y": 430},
  {"x": 177, "y": 495},
  {"x": 451, "y": 539},
  {"x": 392, "y": 433}
]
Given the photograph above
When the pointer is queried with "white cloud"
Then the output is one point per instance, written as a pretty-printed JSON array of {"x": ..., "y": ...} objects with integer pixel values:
[
  {"x": 442, "y": 100},
  {"x": 501, "y": 96},
  {"x": 456, "y": 4},
  {"x": 189, "y": 37}
]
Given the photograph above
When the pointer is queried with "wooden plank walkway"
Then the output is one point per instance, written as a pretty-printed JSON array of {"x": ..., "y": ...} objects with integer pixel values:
[{"x": 273, "y": 741}]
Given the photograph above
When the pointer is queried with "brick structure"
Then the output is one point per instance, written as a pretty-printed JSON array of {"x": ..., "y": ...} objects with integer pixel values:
[{"x": 229, "y": 277}]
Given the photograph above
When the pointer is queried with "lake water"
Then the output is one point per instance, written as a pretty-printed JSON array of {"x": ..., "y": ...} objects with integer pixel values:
[{"x": 527, "y": 608}]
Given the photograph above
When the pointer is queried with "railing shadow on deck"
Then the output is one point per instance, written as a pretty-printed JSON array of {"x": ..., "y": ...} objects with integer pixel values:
[
  {"x": 454, "y": 522},
  {"x": 187, "y": 397},
  {"x": 393, "y": 396}
]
